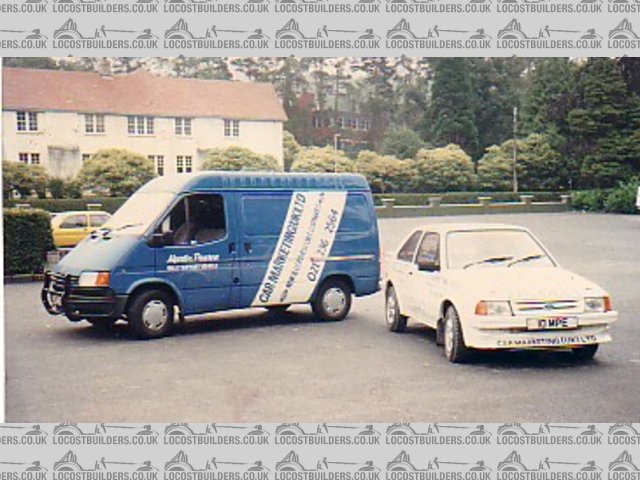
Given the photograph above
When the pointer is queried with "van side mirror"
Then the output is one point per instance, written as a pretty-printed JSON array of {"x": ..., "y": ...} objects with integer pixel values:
[
  {"x": 428, "y": 265},
  {"x": 161, "y": 239}
]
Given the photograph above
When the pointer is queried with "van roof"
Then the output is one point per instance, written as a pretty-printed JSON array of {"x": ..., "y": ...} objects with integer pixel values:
[{"x": 203, "y": 181}]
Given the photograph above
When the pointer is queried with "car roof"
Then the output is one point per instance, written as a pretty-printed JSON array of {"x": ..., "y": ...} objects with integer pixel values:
[{"x": 468, "y": 226}]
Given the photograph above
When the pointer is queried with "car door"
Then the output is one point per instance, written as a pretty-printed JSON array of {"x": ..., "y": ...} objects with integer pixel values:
[
  {"x": 201, "y": 259},
  {"x": 403, "y": 272},
  {"x": 72, "y": 230},
  {"x": 427, "y": 284}
]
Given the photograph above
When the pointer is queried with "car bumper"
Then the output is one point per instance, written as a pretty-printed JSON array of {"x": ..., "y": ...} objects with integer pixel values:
[
  {"x": 512, "y": 333},
  {"x": 60, "y": 296}
]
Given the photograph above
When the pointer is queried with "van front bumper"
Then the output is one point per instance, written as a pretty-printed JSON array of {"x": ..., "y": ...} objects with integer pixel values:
[{"x": 62, "y": 296}]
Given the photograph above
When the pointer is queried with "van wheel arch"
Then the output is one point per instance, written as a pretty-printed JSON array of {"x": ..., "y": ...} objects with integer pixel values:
[{"x": 145, "y": 287}]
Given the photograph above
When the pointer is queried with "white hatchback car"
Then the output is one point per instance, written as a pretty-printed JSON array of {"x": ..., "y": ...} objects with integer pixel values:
[{"x": 489, "y": 286}]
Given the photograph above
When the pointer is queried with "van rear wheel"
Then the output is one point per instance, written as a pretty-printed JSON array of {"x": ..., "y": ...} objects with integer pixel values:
[
  {"x": 333, "y": 300},
  {"x": 150, "y": 314}
]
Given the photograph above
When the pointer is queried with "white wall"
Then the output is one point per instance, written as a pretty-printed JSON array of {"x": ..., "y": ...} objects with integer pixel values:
[{"x": 67, "y": 131}]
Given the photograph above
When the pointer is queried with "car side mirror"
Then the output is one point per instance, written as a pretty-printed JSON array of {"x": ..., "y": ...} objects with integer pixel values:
[
  {"x": 161, "y": 239},
  {"x": 428, "y": 265}
]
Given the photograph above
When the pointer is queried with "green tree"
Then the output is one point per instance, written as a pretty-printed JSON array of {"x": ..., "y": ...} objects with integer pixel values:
[
  {"x": 401, "y": 143},
  {"x": 322, "y": 159},
  {"x": 290, "y": 148},
  {"x": 538, "y": 165},
  {"x": 208, "y": 68},
  {"x": 385, "y": 174},
  {"x": 450, "y": 117},
  {"x": 605, "y": 125},
  {"x": 23, "y": 180},
  {"x": 443, "y": 169},
  {"x": 239, "y": 158},
  {"x": 115, "y": 171}
]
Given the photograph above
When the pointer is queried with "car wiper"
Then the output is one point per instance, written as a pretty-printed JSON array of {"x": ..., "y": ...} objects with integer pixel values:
[
  {"x": 489, "y": 260},
  {"x": 528, "y": 258}
]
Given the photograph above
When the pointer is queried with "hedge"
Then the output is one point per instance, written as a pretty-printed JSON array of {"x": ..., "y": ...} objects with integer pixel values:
[
  {"x": 109, "y": 204},
  {"x": 448, "y": 198},
  {"x": 27, "y": 239}
]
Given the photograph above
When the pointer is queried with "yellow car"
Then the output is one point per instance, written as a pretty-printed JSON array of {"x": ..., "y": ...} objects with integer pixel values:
[{"x": 69, "y": 228}]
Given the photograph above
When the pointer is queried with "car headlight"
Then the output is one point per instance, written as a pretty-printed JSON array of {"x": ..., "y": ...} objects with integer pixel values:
[
  {"x": 494, "y": 308},
  {"x": 94, "y": 279},
  {"x": 597, "y": 304}
]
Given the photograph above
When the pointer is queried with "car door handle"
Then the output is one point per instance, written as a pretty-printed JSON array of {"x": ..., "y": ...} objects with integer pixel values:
[
  {"x": 232, "y": 247},
  {"x": 247, "y": 247}
]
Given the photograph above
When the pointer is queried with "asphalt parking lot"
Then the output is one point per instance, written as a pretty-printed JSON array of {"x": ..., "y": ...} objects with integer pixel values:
[{"x": 249, "y": 366}]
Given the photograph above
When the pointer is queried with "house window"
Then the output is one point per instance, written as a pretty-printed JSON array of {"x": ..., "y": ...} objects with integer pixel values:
[
  {"x": 340, "y": 122},
  {"x": 27, "y": 121},
  {"x": 184, "y": 164},
  {"x": 140, "y": 125},
  {"x": 183, "y": 126},
  {"x": 365, "y": 125},
  {"x": 231, "y": 128},
  {"x": 158, "y": 162},
  {"x": 29, "y": 158},
  {"x": 94, "y": 123}
]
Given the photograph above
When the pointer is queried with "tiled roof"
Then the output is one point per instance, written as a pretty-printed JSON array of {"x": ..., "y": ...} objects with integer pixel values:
[{"x": 140, "y": 93}]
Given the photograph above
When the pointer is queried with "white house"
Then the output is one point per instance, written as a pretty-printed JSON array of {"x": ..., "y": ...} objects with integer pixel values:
[{"x": 58, "y": 119}]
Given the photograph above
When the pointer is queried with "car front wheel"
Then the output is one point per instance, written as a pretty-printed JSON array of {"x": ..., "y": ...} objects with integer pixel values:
[
  {"x": 395, "y": 321},
  {"x": 454, "y": 348}
]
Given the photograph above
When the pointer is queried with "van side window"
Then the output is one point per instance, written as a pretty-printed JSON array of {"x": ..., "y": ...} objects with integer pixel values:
[
  {"x": 429, "y": 248},
  {"x": 409, "y": 248},
  {"x": 196, "y": 219},
  {"x": 356, "y": 216}
]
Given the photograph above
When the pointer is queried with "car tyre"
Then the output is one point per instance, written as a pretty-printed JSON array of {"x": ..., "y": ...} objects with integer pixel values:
[
  {"x": 395, "y": 320},
  {"x": 150, "y": 314},
  {"x": 333, "y": 300},
  {"x": 455, "y": 349},
  {"x": 584, "y": 353}
]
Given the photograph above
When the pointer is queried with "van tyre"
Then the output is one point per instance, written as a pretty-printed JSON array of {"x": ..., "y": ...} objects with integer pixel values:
[
  {"x": 395, "y": 321},
  {"x": 151, "y": 313},
  {"x": 333, "y": 300},
  {"x": 584, "y": 353},
  {"x": 454, "y": 348}
]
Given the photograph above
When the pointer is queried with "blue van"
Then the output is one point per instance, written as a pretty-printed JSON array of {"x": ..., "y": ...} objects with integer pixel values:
[{"x": 212, "y": 241}]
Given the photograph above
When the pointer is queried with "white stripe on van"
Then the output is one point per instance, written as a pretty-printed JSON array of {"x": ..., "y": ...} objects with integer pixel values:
[{"x": 305, "y": 242}]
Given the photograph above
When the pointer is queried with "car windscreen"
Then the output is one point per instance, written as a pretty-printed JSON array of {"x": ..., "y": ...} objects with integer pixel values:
[
  {"x": 137, "y": 214},
  {"x": 494, "y": 248}
]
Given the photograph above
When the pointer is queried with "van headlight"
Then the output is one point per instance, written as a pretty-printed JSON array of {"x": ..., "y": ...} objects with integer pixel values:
[
  {"x": 597, "y": 304},
  {"x": 94, "y": 279},
  {"x": 492, "y": 307}
]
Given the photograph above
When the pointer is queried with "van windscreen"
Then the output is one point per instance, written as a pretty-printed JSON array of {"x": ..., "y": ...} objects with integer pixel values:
[{"x": 137, "y": 214}]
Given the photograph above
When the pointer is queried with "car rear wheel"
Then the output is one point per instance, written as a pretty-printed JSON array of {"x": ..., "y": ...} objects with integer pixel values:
[
  {"x": 395, "y": 321},
  {"x": 454, "y": 348},
  {"x": 584, "y": 353},
  {"x": 333, "y": 300},
  {"x": 150, "y": 314}
]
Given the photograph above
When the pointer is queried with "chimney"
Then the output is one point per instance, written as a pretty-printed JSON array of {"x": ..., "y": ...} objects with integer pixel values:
[{"x": 104, "y": 68}]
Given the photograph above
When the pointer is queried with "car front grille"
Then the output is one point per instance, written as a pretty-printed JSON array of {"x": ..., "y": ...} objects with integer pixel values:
[{"x": 547, "y": 306}]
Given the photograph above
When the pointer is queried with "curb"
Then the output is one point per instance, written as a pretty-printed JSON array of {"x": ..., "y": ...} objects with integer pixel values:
[{"x": 24, "y": 278}]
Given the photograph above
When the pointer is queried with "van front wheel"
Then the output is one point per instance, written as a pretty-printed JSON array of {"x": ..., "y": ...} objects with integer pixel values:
[
  {"x": 150, "y": 314},
  {"x": 333, "y": 300}
]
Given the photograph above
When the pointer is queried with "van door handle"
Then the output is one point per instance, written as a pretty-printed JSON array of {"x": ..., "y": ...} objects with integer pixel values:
[
  {"x": 232, "y": 247},
  {"x": 247, "y": 247}
]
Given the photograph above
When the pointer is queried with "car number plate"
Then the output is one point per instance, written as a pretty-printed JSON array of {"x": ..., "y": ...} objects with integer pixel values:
[{"x": 552, "y": 323}]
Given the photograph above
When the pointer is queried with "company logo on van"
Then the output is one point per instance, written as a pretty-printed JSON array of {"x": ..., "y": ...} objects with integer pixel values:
[
  {"x": 304, "y": 244},
  {"x": 197, "y": 261}
]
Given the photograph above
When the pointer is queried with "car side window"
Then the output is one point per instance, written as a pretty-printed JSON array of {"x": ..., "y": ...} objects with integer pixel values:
[
  {"x": 429, "y": 250},
  {"x": 196, "y": 219},
  {"x": 98, "y": 220},
  {"x": 409, "y": 248},
  {"x": 74, "y": 221}
]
